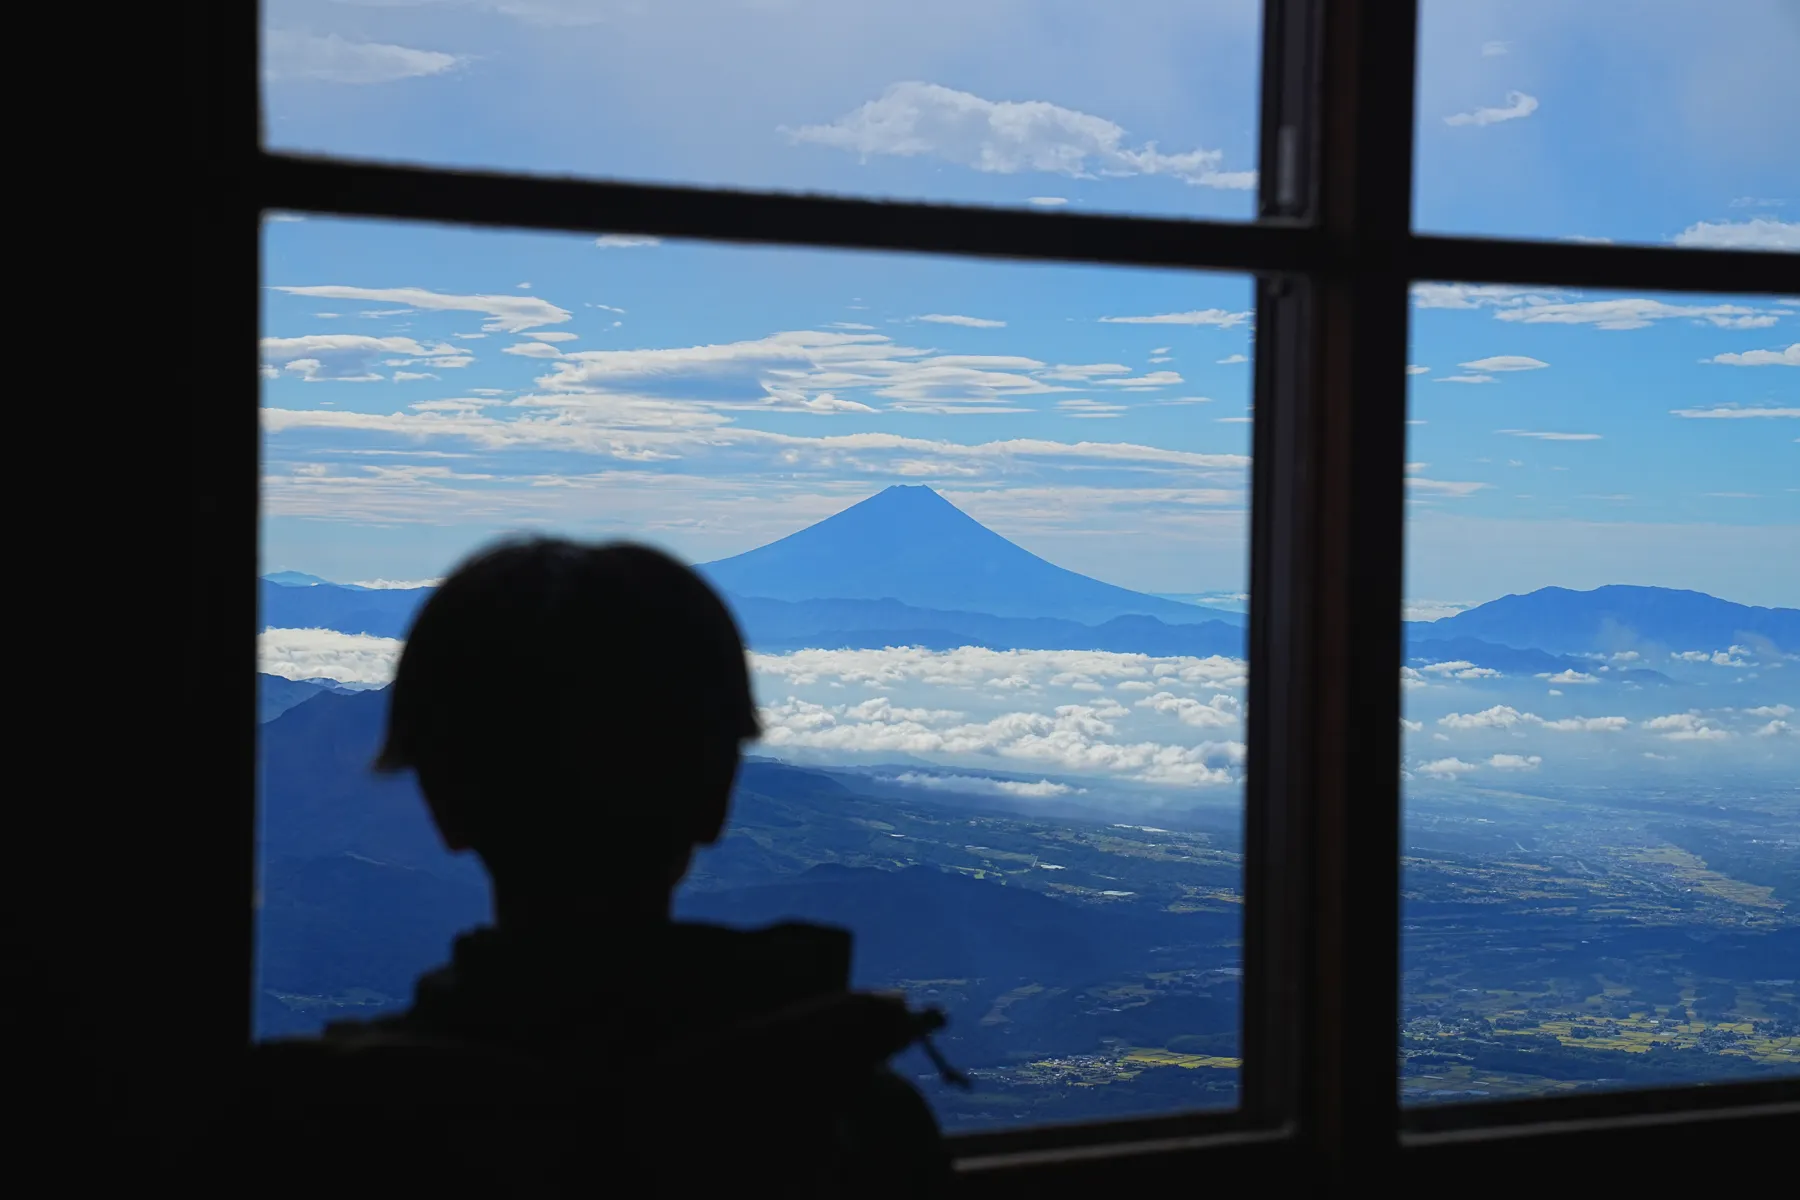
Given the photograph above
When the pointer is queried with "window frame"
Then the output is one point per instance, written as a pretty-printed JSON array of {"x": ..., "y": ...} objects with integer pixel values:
[{"x": 1334, "y": 254}]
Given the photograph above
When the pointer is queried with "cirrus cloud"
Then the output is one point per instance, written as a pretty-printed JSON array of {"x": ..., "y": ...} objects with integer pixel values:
[
  {"x": 1220, "y": 317},
  {"x": 1724, "y": 412},
  {"x": 288, "y": 55},
  {"x": 953, "y": 319},
  {"x": 508, "y": 314},
  {"x": 1633, "y": 313},
  {"x": 1518, "y": 105},
  {"x": 352, "y": 358},
  {"x": 1506, "y": 362}
]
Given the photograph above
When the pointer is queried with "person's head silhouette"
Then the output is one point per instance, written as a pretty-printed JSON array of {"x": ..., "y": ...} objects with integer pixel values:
[{"x": 574, "y": 715}]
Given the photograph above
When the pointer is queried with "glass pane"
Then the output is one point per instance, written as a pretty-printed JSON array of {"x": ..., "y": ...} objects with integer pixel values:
[
  {"x": 1602, "y": 693},
  {"x": 999, "y": 654},
  {"x": 1148, "y": 107},
  {"x": 1653, "y": 121}
]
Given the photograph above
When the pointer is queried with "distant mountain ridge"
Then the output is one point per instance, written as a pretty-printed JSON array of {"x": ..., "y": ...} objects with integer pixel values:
[
  {"x": 774, "y": 626},
  {"x": 907, "y": 567},
  {"x": 1617, "y": 618}
]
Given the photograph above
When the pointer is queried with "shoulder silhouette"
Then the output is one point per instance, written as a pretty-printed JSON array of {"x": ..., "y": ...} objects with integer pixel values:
[{"x": 575, "y": 716}]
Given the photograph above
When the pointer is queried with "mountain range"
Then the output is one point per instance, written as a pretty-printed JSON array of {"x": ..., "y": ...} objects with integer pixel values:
[
  {"x": 1621, "y": 618},
  {"x": 907, "y": 567}
]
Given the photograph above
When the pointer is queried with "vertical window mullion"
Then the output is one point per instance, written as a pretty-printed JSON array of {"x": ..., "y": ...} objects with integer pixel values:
[
  {"x": 1350, "y": 1117},
  {"x": 1278, "y": 777}
]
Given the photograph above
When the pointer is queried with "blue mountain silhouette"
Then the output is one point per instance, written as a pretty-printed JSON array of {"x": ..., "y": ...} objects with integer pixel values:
[
  {"x": 1620, "y": 617},
  {"x": 908, "y": 543},
  {"x": 387, "y": 612},
  {"x": 296, "y": 579}
]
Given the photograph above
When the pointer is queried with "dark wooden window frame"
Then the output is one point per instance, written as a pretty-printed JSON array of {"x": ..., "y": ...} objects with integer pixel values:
[{"x": 1335, "y": 255}]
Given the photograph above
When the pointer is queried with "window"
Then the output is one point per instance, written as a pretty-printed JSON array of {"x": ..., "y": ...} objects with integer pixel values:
[
  {"x": 999, "y": 654},
  {"x": 1338, "y": 273},
  {"x": 1598, "y": 763},
  {"x": 1056, "y": 106},
  {"x": 1565, "y": 122}
]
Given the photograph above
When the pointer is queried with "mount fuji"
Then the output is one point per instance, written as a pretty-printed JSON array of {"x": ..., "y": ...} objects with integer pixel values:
[{"x": 909, "y": 544}]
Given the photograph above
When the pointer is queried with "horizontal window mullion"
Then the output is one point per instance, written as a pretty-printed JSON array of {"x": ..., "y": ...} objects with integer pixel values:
[
  {"x": 1431, "y": 1121},
  {"x": 1098, "y": 1137},
  {"x": 1664, "y": 268},
  {"x": 383, "y": 190}
]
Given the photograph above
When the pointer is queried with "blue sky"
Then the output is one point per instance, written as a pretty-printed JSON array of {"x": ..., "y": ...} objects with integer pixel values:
[{"x": 712, "y": 398}]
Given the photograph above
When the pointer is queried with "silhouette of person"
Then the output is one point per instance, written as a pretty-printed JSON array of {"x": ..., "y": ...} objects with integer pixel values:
[{"x": 575, "y": 716}]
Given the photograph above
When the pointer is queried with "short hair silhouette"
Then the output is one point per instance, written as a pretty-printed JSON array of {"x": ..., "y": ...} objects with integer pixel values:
[{"x": 553, "y": 697}]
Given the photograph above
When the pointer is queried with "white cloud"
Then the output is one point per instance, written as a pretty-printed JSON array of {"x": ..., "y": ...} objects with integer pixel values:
[
  {"x": 532, "y": 350},
  {"x": 1441, "y": 487},
  {"x": 1501, "y": 716},
  {"x": 1221, "y": 712},
  {"x": 1473, "y": 295},
  {"x": 1465, "y": 379},
  {"x": 786, "y": 370},
  {"x": 1724, "y": 413},
  {"x": 1460, "y": 669},
  {"x": 1518, "y": 104},
  {"x": 332, "y": 59},
  {"x": 1506, "y": 362},
  {"x": 1447, "y": 768},
  {"x": 1515, "y": 762},
  {"x": 1775, "y": 728},
  {"x": 1633, "y": 313},
  {"x": 1733, "y": 656},
  {"x": 1047, "y": 201},
  {"x": 642, "y": 429},
  {"x": 1088, "y": 408},
  {"x": 552, "y": 335},
  {"x": 625, "y": 241},
  {"x": 1220, "y": 317},
  {"x": 1789, "y": 357},
  {"x": 1411, "y": 726},
  {"x": 1547, "y": 436},
  {"x": 326, "y": 654},
  {"x": 1570, "y": 676},
  {"x": 914, "y": 119},
  {"x": 1504, "y": 716},
  {"x": 952, "y": 319},
  {"x": 981, "y": 785},
  {"x": 1077, "y": 738},
  {"x": 1432, "y": 610},
  {"x": 509, "y": 314},
  {"x": 1686, "y": 727},
  {"x": 382, "y": 585},
  {"x": 1584, "y": 724},
  {"x": 1771, "y": 710},
  {"x": 352, "y": 358},
  {"x": 1494, "y": 49},
  {"x": 973, "y": 666},
  {"x": 1415, "y": 369},
  {"x": 1758, "y": 233},
  {"x": 1150, "y": 379},
  {"x": 1231, "y": 360}
]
